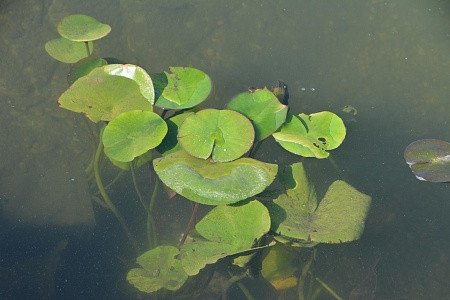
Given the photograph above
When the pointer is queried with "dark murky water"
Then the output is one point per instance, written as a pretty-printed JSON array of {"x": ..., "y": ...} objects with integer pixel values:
[{"x": 388, "y": 59}]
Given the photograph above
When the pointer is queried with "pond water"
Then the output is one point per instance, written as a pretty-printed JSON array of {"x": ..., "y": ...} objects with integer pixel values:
[{"x": 388, "y": 59}]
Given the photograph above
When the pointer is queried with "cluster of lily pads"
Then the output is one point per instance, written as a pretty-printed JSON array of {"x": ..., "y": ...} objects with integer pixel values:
[{"x": 203, "y": 155}]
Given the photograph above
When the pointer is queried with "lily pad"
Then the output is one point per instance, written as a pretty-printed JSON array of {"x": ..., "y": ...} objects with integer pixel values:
[
  {"x": 338, "y": 218},
  {"x": 84, "y": 67},
  {"x": 136, "y": 73},
  {"x": 226, "y": 230},
  {"x": 313, "y": 135},
  {"x": 183, "y": 88},
  {"x": 67, "y": 51},
  {"x": 223, "y": 135},
  {"x": 82, "y": 28},
  {"x": 429, "y": 160},
  {"x": 170, "y": 143},
  {"x": 278, "y": 267},
  {"x": 132, "y": 134},
  {"x": 214, "y": 183},
  {"x": 160, "y": 269},
  {"x": 102, "y": 96},
  {"x": 263, "y": 108}
]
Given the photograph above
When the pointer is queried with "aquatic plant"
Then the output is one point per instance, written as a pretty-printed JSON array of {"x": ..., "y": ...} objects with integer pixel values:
[{"x": 206, "y": 156}]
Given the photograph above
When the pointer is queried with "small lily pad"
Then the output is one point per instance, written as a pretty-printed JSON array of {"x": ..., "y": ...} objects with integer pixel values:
[
  {"x": 160, "y": 269},
  {"x": 214, "y": 183},
  {"x": 226, "y": 230},
  {"x": 132, "y": 134},
  {"x": 429, "y": 160},
  {"x": 102, "y": 96},
  {"x": 182, "y": 88},
  {"x": 313, "y": 135},
  {"x": 279, "y": 267},
  {"x": 263, "y": 108},
  {"x": 82, "y": 28},
  {"x": 223, "y": 135},
  {"x": 338, "y": 218},
  {"x": 67, "y": 51}
]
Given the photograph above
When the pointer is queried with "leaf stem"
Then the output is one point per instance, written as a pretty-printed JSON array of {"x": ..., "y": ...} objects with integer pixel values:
[
  {"x": 87, "y": 49},
  {"x": 190, "y": 224}
]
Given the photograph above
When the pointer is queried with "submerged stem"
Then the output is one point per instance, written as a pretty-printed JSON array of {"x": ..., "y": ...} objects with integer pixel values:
[
  {"x": 87, "y": 49},
  {"x": 190, "y": 224}
]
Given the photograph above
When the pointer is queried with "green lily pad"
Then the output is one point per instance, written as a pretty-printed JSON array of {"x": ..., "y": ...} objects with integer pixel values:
[
  {"x": 226, "y": 230},
  {"x": 183, "y": 88},
  {"x": 223, "y": 135},
  {"x": 84, "y": 67},
  {"x": 160, "y": 269},
  {"x": 81, "y": 28},
  {"x": 313, "y": 135},
  {"x": 170, "y": 143},
  {"x": 102, "y": 96},
  {"x": 429, "y": 160},
  {"x": 338, "y": 218},
  {"x": 214, "y": 183},
  {"x": 263, "y": 108},
  {"x": 136, "y": 73},
  {"x": 67, "y": 51},
  {"x": 132, "y": 134}
]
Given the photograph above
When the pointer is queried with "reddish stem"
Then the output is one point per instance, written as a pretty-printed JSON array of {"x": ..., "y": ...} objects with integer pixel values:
[{"x": 190, "y": 224}]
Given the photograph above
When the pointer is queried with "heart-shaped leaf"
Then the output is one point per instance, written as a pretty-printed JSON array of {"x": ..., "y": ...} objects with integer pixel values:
[
  {"x": 263, "y": 108},
  {"x": 102, "y": 96},
  {"x": 223, "y": 135},
  {"x": 133, "y": 133},
  {"x": 214, "y": 183},
  {"x": 226, "y": 230},
  {"x": 82, "y": 28},
  {"x": 429, "y": 160},
  {"x": 338, "y": 218},
  {"x": 313, "y": 135},
  {"x": 182, "y": 88}
]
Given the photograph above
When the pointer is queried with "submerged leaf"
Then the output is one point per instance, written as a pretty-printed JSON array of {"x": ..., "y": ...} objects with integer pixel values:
[{"x": 159, "y": 269}]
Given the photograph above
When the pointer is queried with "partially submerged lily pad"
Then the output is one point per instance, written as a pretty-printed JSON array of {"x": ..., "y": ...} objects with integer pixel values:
[
  {"x": 311, "y": 135},
  {"x": 82, "y": 28},
  {"x": 262, "y": 108},
  {"x": 170, "y": 143},
  {"x": 84, "y": 67},
  {"x": 279, "y": 267},
  {"x": 429, "y": 160},
  {"x": 182, "y": 88},
  {"x": 226, "y": 230},
  {"x": 67, "y": 51},
  {"x": 214, "y": 183},
  {"x": 338, "y": 218},
  {"x": 133, "y": 133},
  {"x": 102, "y": 96},
  {"x": 159, "y": 269},
  {"x": 223, "y": 135}
]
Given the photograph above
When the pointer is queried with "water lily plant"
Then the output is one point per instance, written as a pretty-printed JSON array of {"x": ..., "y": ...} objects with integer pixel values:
[{"x": 206, "y": 157}]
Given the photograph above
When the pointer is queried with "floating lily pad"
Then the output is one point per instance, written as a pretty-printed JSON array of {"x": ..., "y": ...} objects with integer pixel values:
[
  {"x": 313, "y": 135},
  {"x": 338, "y": 218},
  {"x": 226, "y": 230},
  {"x": 136, "y": 73},
  {"x": 67, "y": 51},
  {"x": 263, "y": 108},
  {"x": 183, "y": 88},
  {"x": 133, "y": 133},
  {"x": 102, "y": 96},
  {"x": 214, "y": 183},
  {"x": 170, "y": 143},
  {"x": 429, "y": 160},
  {"x": 223, "y": 135},
  {"x": 84, "y": 67},
  {"x": 160, "y": 269},
  {"x": 81, "y": 28}
]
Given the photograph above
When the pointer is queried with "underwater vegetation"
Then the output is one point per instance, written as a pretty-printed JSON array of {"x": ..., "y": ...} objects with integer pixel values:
[{"x": 207, "y": 157}]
